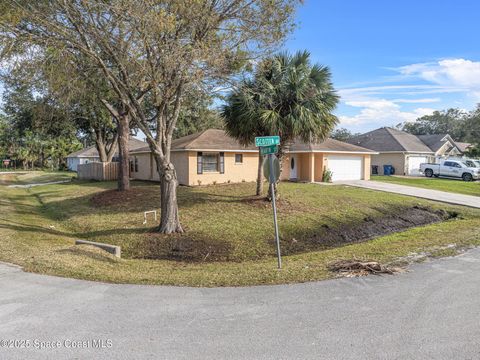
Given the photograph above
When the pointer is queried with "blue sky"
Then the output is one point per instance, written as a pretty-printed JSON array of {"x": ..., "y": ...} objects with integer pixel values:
[{"x": 393, "y": 61}]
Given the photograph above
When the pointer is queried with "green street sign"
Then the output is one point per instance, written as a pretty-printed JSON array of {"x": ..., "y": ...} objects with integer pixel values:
[
  {"x": 267, "y": 141},
  {"x": 265, "y": 150}
]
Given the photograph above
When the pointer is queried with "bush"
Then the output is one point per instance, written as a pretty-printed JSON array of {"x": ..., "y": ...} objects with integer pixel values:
[{"x": 327, "y": 175}]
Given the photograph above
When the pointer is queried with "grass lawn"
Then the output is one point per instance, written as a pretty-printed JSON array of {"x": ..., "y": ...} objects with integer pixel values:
[
  {"x": 449, "y": 185},
  {"x": 229, "y": 234}
]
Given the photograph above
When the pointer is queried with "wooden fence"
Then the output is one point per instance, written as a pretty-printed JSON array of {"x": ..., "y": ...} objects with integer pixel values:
[{"x": 98, "y": 171}]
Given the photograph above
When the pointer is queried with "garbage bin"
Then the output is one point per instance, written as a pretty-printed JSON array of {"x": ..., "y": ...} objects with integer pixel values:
[
  {"x": 374, "y": 169},
  {"x": 388, "y": 170}
]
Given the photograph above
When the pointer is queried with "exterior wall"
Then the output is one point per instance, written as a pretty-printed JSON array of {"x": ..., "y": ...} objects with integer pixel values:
[
  {"x": 235, "y": 173},
  {"x": 310, "y": 166},
  {"x": 320, "y": 162},
  {"x": 397, "y": 160},
  {"x": 285, "y": 167},
  {"x": 73, "y": 162},
  {"x": 367, "y": 166},
  {"x": 181, "y": 162},
  {"x": 144, "y": 167},
  {"x": 147, "y": 167},
  {"x": 304, "y": 166}
]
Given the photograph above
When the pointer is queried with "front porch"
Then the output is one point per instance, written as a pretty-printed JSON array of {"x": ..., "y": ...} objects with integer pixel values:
[
  {"x": 310, "y": 166},
  {"x": 306, "y": 167}
]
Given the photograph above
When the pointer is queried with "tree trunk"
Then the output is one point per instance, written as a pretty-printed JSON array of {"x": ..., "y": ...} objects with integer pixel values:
[
  {"x": 101, "y": 148},
  {"x": 123, "y": 157},
  {"x": 113, "y": 148},
  {"x": 105, "y": 152},
  {"x": 169, "y": 219},
  {"x": 260, "y": 175}
]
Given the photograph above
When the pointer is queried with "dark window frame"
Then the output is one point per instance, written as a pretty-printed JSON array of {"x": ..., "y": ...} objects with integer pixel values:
[{"x": 241, "y": 159}]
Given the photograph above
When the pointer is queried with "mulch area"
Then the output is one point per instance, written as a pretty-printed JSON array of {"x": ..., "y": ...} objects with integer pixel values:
[{"x": 115, "y": 197}]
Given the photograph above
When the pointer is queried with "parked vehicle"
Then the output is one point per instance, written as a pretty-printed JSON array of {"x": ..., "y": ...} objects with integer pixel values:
[
  {"x": 472, "y": 163},
  {"x": 452, "y": 169}
]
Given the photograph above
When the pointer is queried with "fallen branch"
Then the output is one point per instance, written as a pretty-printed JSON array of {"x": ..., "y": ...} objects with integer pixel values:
[{"x": 360, "y": 268}]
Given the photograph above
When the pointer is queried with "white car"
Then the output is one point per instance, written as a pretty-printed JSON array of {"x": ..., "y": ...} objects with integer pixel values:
[{"x": 452, "y": 169}]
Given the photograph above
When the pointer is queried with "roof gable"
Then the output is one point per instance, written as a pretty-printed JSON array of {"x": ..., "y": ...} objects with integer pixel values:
[
  {"x": 390, "y": 140},
  {"x": 91, "y": 151},
  {"x": 327, "y": 145}
]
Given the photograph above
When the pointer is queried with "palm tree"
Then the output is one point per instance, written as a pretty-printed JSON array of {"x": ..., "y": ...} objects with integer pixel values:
[{"x": 287, "y": 96}]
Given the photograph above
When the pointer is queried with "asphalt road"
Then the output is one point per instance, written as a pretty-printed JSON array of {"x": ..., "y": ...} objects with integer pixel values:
[
  {"x": 436, "y": 195},
  {"x": 431, "y": 312}
]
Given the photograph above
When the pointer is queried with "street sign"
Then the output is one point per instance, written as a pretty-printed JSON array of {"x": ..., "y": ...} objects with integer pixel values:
[
  {"x": 267, "y": 141},
  {"x": 266, "y": 150},
  {"x": 276, "y": 169},
  {"x": 271, "y": 170}
]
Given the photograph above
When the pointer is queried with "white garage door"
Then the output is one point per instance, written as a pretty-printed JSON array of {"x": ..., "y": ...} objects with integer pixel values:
[
  {"x": 346, "y": 167},
  {"x": 414, "y": 164}
]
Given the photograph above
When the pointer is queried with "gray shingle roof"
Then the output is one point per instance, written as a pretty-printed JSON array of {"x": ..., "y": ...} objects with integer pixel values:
[
  {"x": 133, "y": 144},
  {"x": 434, "y": 142},
  {"x": 389, "y": 139},
  {"x": 213, "y": 139},
  {"x": 210, "y": 139},
  {"x": 328, "y": 145}
]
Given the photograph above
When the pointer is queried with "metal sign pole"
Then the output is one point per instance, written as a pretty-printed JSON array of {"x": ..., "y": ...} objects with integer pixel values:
[{"x": 274, "y": 205}]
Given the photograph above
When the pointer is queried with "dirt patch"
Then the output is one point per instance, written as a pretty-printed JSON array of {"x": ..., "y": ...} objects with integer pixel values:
[
  {"x": 183, "y": 248},
  {"x": 372, "y": 227},
  {"x": 116, "y": 198},
  {"x": 284, "y": 206}
]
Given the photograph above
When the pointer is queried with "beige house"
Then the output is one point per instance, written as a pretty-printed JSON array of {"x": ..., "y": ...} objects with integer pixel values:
[
  {"x": 404, "y": 151},
  {"x": 211, "y": 156}
]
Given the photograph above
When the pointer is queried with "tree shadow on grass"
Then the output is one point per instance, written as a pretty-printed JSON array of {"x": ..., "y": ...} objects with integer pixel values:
[{"x": 138, "y": 200}]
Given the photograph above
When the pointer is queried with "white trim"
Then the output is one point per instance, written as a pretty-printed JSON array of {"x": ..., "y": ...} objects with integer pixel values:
[
  {"x": 83, "y": 156},
  {"x": 256, "y": 151},
  {"x": 407, "y": 152},
  {"x": 331, "y": 152},
  {"x": 200, "y": 150}
]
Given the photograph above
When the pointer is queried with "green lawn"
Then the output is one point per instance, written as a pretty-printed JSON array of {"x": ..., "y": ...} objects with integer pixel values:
[
  {"x": 449, "y": 185},
  {"x": 228, "y": 239}
]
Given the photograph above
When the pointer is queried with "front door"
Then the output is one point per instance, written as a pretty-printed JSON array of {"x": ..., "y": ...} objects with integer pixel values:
[{"x": 293, "y": 167}]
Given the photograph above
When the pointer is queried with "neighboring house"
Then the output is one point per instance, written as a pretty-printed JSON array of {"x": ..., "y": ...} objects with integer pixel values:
[
  {"x": 212, "y": 156},
  {"x": 90, "y": 154},
  {"x": 404, "y": 151},
  {"x": 442, "y": 144},
  {"x": 464, "y": 147}
]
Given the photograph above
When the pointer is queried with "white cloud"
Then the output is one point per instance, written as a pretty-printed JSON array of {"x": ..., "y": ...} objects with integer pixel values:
[
  {"x": 450, "y": 72},
  {"x": 381, "y": 112},
  {"x": 392, "y": 101},
  {"x": 348, "y": 93},
  {"x": 416, "y": 101}
]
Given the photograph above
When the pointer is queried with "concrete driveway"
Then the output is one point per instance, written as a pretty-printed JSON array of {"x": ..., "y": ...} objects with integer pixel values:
[
  {"x": 436, "y": 195},
  {"x": 431, "y": 312}
]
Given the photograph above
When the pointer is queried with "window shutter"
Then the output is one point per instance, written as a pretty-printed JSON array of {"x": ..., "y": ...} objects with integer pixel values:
[
  {"x": 199, "y": 163},
  {"x": 222, "y": 163}
]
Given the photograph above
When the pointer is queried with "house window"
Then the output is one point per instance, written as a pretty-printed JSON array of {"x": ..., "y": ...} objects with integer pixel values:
[
  {"x": 134, "y": 164},
  {"x": 210, "y": 162},
  {"x": 238, "y": 158}
]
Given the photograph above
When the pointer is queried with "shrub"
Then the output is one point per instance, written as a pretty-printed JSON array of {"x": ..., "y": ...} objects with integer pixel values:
[{"x": 327, "y": 175}]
